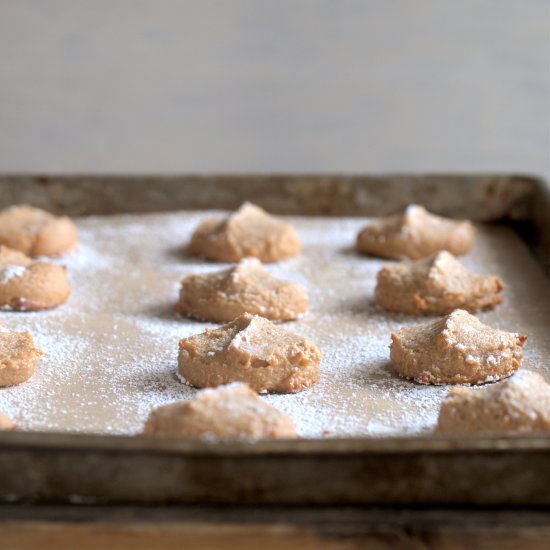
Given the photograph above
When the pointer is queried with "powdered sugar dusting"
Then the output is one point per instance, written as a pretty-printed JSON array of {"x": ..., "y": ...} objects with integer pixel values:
[
  {"x": 111, "y": 351},
  {"x": 10, "y": 272}
]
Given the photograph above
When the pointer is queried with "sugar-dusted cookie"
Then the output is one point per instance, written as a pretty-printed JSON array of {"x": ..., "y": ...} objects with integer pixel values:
[
  {"x": 6, "y": 424},
  {"x": 244, "y": 288},
  {"x": 457, "y": 349},
  {"x": 27, "y": 285},
  {"x": 520, "y": 404},
  {"x": 36, "y": 232},
  {"x": 227, "y": 412},
  {"x": 415, "y": 234},
  {"x": 18, "y": 356},
  {"x": 250, "y": 231},
  {"x": 250, "y": 349},
  {"x": 437, "y": 284}
]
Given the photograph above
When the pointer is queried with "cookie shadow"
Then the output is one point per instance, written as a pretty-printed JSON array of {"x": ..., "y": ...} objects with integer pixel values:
[
  {"x": 387, "y": 378},
  {"x": 182, "y": 254},
  {"x": 387, "y": 371},
  {"x": 380, "y": 375},
  {"x": 384, "y": 376},
  {"x": 162, "y": 381},
  {"x": 165, "y": 312},
  {"x": 350, "y": 251},
  {"x": 362, "y": 305}
]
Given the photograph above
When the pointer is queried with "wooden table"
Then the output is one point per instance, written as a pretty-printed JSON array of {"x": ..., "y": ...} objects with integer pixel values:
[{"x": 84, "y": 527}]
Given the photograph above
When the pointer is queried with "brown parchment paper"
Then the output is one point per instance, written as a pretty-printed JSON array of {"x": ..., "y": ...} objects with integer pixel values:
[{"x": 111, "y": 351}]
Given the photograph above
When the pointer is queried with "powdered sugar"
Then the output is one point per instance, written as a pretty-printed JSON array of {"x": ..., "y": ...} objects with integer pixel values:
[
  {"x": 111, "y": 351},
  {"x": 239, "y": 341},
  {"x": 10, "y": 272}
]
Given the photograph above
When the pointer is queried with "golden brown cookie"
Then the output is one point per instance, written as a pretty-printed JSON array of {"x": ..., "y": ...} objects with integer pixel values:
[
  {"x": 244, "y": 288},
  {"x": 457, "y": 349},
  {"x": 36, "y": 232},
  {"x": 437, "y": 284},
  {"x": 27, "y": 285},
  {"x": 250, "y": 349},
  {"x": 6, "y": 424},
  {"x": 18, "y": 356},
  {"x": 227, "y": 412},
  {"x": 250, "y": 231},
  {"x": 520, "y": 404},
  {"x": 415, "y": 234}
]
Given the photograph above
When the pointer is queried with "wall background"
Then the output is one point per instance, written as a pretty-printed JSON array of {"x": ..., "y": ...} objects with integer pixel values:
[{"x": 279, "y": 85}]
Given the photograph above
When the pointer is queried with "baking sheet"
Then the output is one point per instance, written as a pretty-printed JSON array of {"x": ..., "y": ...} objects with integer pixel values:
[{"x": 111, "y": 351}]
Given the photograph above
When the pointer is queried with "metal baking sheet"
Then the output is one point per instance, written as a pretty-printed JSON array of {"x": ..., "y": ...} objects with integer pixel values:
[{"x": 115, "y": 348}]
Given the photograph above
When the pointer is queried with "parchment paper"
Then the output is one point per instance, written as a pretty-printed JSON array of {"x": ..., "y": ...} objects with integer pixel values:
[{"x": 111, "y": 351}]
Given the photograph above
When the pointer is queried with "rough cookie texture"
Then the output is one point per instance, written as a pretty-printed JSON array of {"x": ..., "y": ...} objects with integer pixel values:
[
  {"x": 457, "y": 349},
  {"x": 244, "y": 288},
  {"x": 250, "y": 349},
  {"x": 227, "y": 412},
  {"x": 27, "y": 285},
  {"x": 250, "y": 231},
  {"x": 437, "y": 284},
  {"x": 6, "y": 423},
  {"x": 18, "y": 357},
  {"x": 36, "y": 232},
  {"x": 415, "y": 233},
  {"x": 520, "y": 404}
]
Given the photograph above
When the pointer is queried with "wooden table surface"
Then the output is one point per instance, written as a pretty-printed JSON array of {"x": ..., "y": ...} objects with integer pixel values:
[{"x": 119, "y": 528}]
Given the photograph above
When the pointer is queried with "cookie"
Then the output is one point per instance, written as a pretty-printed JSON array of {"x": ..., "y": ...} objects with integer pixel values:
[
  {"x": 250, "y": 349},
  {"x": 250, "y": 231},
  {"x": 6, "y": 424},
  {"x": 244, "y": 288},
  {"x": 18, "y": 357},
  {"x": 227, "y": 412},
  {"x": 415, "y": 234},
  {"x": 36, "y": 232},
  {"x": 520, "y": 405},
  {"x": 27, "y": 285},
  {"x": 437, "y": 284},
  {"x": 457, "y": 349}
]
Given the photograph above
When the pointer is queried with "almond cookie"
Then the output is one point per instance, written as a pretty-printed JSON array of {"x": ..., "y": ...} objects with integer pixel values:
[
  {"x": 27, "y": 285},
  {"x": 518, "y": 405},
  {"x": 244, "y": 288},
  {"x": 250, "y": 349},
  {"x": 36, "y": 232},
  {"x": 437, "y": 284},
  {"x": 415, "y": 234},
  {"x": 227, "y": 412},
  {"x": 250, "y": 231},
  {"x": 457, "y": 349},
  {"x": 18, "y": 357},
  {"x": 6, "y": 423}
]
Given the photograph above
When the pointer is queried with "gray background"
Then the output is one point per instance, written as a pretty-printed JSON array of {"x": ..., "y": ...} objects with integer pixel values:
[{"x": 354, "y": 86}]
